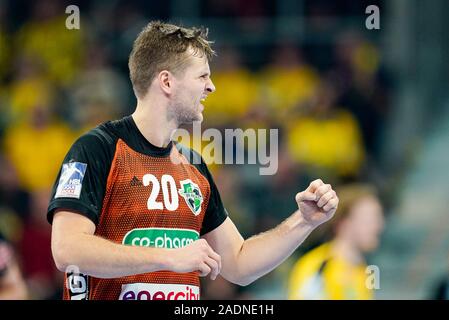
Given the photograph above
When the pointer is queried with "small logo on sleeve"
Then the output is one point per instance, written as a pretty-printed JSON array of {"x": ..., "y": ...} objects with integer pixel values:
[{"x": 70, "y": 182}]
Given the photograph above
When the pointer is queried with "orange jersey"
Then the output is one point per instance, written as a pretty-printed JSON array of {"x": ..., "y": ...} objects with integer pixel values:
[{"x": 141, "y": 195}]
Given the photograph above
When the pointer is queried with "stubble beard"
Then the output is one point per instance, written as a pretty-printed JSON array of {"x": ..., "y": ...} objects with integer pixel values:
[{"x": 183, "y": 115}]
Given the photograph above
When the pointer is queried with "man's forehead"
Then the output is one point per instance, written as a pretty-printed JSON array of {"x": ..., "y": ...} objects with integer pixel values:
[
  {"x": 197, "y": 55},
  {"x": 199, "y": 62}
]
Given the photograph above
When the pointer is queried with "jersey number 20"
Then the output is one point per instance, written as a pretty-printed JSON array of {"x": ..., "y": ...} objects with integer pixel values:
[{"x": 169, "y": 192}]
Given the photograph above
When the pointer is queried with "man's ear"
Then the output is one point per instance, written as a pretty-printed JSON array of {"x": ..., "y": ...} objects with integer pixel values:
[{"x": 165, "y": 79}]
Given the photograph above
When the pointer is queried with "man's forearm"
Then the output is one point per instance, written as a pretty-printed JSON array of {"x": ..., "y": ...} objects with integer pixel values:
[
  {"x": 101, "y": 258},
  {"x": 262, "y": 253}
]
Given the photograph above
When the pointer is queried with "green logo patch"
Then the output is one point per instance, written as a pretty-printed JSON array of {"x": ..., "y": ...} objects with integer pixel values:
[
  {"x": 192, "y": 195},
  {"x": 160, "y": 237}
]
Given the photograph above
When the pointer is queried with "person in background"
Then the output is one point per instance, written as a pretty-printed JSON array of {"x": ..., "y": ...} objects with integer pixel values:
[
  {"x": 12, "y": 285},
  {"x": 440, "y": 288},
  {"x": 337, "y": 269}
]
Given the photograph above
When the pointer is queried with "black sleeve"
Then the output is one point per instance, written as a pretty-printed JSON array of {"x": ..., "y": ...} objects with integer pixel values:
[
  {"x": 216, "y": 214},
  {"x": 81, "y": 183}
]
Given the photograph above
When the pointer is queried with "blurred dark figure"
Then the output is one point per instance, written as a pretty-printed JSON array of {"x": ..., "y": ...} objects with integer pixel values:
[
  {"x": 364, "y": 85},
  {"x": 327, "y": 140},
  {"x": 12, "y": 285},
  {"x": 35, "y": 247},
  {"x": 288, "y": 82},
  {"x": 12, "y": 195},
  {"x": 440, "y": 291},
  {"x": 99, "y": 93}
]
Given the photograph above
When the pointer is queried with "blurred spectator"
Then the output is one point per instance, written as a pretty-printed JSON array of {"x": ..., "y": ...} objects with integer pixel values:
[
  {"x": 236, "y": 90},
  {"x": 363, "y": 83},
  {"x": 441, "y": 290},
  {"x": 14, "y": 202},
  {"x": 12, "y": 195},
  {"x": 116, "y": 23},
  {"x": 336, "y": 269},
  {"x": 230, "y": 184},
  {"x": 39, "y": 270},
  {"x": 272, "y": 197},
  {"x": 29, "y": 88},
  {"x": 36, "y": 147},
  {"x": 327, "y": 140},
  {"x": 46, "y": 38},
  {"x": 287, "y": 82},
  {"x": 12, "y": 285},
  {"x": 5, "y": 52},
  {"x": 99, "y": 93}
]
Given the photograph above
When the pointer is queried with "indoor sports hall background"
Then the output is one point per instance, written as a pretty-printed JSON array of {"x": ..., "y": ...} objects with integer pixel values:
[{"x": 352, "y": 104}]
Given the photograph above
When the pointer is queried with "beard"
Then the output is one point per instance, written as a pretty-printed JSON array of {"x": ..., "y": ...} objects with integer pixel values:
[{"x": 184, "y": 112}]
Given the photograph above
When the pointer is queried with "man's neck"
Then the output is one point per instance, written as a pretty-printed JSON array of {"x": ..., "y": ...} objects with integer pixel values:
[
  {"x": 345, "y": 248},
  {"x": 153, "y": 124}
]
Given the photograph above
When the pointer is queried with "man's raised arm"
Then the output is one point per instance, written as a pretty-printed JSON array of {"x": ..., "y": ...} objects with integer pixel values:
[{"x": 247, "y": 260}]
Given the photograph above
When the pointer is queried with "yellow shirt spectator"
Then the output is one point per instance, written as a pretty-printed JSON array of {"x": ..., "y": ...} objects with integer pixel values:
[
  {"x": 36, "y": 153},
  {"x": 237, "y": 92},
  {"x": 60, "y": 49},
  {"x": 333, "y": 143},
  {"x": 320, "y": 275},
  {"x": 285, "y": 89},
  {"x": 25, "y": 94}
]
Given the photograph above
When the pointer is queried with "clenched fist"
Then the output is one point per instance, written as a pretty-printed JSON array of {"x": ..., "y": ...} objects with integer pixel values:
[{"x": 317, "y": 203}]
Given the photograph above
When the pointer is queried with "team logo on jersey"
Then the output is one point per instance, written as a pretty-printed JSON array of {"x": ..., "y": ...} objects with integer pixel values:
[
  {"x": 192, "y": 195},
  {"x": 71, "y": 180}
]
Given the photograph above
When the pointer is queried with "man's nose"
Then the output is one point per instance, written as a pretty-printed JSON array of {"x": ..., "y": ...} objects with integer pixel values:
[{"x": 210, "y": 87}]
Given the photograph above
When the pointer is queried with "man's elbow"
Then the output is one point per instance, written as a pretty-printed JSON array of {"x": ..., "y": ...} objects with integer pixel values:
[
  {"x": 241, "y": 283},
  {"x": 240, "y": 280},
  {"x": 245, "y": 282},
  {"x": 60, "y": 260},
  {"x": 62, "y": 256},
  {"x": 60, "y": 265}
]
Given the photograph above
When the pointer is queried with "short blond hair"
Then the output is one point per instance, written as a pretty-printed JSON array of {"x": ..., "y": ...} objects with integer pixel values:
[{"x": 163, "y": 46}]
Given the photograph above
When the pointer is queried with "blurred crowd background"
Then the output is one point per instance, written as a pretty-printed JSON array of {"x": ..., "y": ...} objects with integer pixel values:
[{"x": 351, "y": 105}]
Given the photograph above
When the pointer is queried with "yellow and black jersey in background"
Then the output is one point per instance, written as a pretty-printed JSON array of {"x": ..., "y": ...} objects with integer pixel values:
[{"x": 321, "y": 275}]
